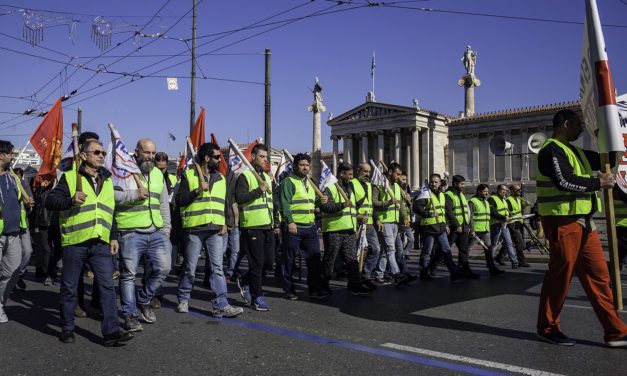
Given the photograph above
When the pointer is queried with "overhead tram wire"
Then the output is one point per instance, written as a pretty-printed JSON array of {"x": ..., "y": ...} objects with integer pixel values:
[
  {"x": 103, "y": 53},
  {"x": 477, "y": 14},
  {"x": 81, "y": 14}
]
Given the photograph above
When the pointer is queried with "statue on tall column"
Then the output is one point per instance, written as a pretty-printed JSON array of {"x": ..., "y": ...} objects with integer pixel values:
[
  {"x": 317, "y": 105},
  {"x": 469, "y": 59}
]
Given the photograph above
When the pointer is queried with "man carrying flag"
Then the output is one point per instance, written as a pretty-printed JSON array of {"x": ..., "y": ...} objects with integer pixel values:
[
  {"x": 143, "y": 223},
  {"x": 363, "y": 201},
  {"x": 257, "y": 223},
  {"x": 339, "y": 225},
  {"x": 479, "y": 211},
  {"x": 298, "y": 203}
]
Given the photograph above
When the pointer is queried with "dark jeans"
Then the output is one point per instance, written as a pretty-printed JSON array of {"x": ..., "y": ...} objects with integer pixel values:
[
  {"x": 306, "y": 239},
  {"x": 98, "y": 256},
  {"x": 461, "y": 241},
  {"x": 43, "y": 250},
  {"x": 621, "y": 234},
  {"x": 258, "y": 244},
  {"x": 54, "y": 237},
  {"x": 344, "y": 244}
]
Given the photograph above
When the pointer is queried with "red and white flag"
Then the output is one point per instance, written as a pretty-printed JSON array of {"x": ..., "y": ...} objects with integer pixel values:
[{"x": 598, "y": 97}]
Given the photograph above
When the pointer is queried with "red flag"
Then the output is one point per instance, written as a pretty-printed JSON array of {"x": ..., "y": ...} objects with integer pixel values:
[
  {"x": 198, "y": 133},
  {"x": 46, "y": 140},
  {"x": 249, "y": 151},
  {"x": 222, "y": 167}
]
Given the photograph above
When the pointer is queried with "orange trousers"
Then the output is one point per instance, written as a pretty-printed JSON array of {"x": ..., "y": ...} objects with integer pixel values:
[{"x": 575, "y": 250}]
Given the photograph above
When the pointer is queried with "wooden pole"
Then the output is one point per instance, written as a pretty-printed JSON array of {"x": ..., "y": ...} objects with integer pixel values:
[
  {"x": 267, "y": 106},
  {"x": 612, "y": 241},
  {"x": 77, "y": 161},
  {"x": 244, "y": 160}
]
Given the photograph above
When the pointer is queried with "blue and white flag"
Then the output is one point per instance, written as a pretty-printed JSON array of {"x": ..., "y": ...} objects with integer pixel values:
[
  {"x": 120, "y": 162},
  {"x": 67, "y": 159},
  {"x": 425, "y": 192},
  {"x": 377, "y": 177},
  {"x": 284, "y": 168},
  {"x": 326, "y": 177}
]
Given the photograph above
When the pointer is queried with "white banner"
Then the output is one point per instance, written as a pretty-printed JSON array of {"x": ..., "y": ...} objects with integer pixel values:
[{"x": 621, "y": 172}]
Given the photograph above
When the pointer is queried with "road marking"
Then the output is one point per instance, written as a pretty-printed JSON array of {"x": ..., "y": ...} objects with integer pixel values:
[
  {"x": 424, "y": 361},
  {"x": 576, "y": 306},
  {"x": 464, "y": 359}
]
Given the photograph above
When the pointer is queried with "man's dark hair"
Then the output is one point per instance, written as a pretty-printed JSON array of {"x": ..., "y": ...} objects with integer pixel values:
[
  {"x": 6, "y": 146},
  {"x": 498, "y": 187},
  {"x": 435, "y": 176},
  {"x": 86, "y": 136},
  {"x": 85, "y": 145},
  {"x": 457, "y": 179},
  {"x": 301, "y": 157},
  {"x": 206, "y": 149},
  {"x": 393, "y": 167},
  {"x": 161, "y": 156},
  {"x": 344, "y": 167},
  {"x": 562, "y": 115},
  {"x": 19, "y": 172},
  {"x": 481, "y": 187},
  {"x": 258, "y": 147}
]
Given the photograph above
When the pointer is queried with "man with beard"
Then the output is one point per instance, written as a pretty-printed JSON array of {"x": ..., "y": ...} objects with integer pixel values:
[
  {"x": 456, "y": 208},
  {"x": 480, "y": 226},
  {"x": 257, "y": 225},
  {"x": 339, "y": 224},
  {"x": 143, "y": 223},
  {"x": 363, "y": 201},
  {"x": 86, "y": 219},
  {"x": 434, "y": 229},
  {"x": 516, "y": 204},
  {"x": 499, "y": 220},
  {"x": 298, "y": 204},
  {"x": 10, "y": 243},
  {"x": 202, "y": 200}
]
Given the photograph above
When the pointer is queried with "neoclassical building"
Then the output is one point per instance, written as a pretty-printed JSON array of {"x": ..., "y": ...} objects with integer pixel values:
[{"x": 414, "y": 137}]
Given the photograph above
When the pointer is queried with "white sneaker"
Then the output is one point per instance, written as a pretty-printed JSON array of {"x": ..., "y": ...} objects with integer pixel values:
[
  {"x": 3, "y": 316},
  {"x": 183, "y": 307},
  {"x": 228, "y": 311}
]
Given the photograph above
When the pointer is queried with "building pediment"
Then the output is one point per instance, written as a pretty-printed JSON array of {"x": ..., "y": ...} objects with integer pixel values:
[{"x": 372, "y": 110}]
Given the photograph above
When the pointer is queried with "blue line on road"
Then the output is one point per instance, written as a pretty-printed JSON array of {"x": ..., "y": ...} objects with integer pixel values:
[{"x": 348, "y": 345}]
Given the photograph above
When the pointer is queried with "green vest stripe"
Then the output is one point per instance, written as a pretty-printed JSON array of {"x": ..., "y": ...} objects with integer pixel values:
[
  {"x": 392, "y": 213},
  {"x": 303, "y": 203},
  {"x": 501, "y": 208},
  {"x": 206, "y": 208},
  {"x": 460, "y": 207},
  {"x": 480, "y": 215},
  {"x": 435, "y": 209},
  {"x": 516, "y": 205},
  {"x": 343, "y": 220},
  {"x": 143, "y": 213},
  {"x": 91, "y": 220},
  {"x": 620, "y": 211},
  {"x": 366, "y": 194},
  {"x": 259, "y": 212},
  {"x": 555, "y": 202}
]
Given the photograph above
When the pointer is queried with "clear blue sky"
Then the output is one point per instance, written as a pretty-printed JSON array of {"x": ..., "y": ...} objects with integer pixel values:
[{"x": 520, "y": 62}]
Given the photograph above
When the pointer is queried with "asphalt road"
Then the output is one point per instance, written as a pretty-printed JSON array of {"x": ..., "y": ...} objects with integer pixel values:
[{"x": 483, "y": 327}]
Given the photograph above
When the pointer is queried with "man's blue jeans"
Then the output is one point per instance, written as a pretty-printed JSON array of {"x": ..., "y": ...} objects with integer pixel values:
[
  {"x": 214, "y": 245},
  {"x": 498, "y": 231},
  {"x": 156, "y": 246},
  {"x": 403, "y": 249},
  {"x": 98, "y": 256},
  {"x": 373, "y": 251},
  {"x": 388, "y": 246},
  {"x": 427, "y": 245},
  {"x": 231, "y": 241}
]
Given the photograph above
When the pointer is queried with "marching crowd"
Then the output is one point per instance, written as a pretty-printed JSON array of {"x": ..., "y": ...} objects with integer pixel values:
[{"x": 85, "y": 220}]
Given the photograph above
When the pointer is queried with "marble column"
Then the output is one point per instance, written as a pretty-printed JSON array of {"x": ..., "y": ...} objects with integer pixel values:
[
  {"x": 397, "y": 145},
  {"x": 348, "y": 148},
  {"x": 431, "y": 151},
  {"x": 335, "y": 153},
  {"x": 508, "y": 158},
  {"x": 407, "y": 157},
  {"x": 476, "y": 164},
  {"x": 425, "y": 154},
  {"x": 364, "y": 148},
  {"x": 415, "y": 158},
  {"x": 491, "y": 162},
  {"x": 380, "y": 145},
  {"x": 524, "y": 150}
]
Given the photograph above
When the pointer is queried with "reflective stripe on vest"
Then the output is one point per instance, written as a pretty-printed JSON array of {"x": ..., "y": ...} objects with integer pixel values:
[
  {"x": 303, "y": 201},
  {"x": 366, "y": 194},
  {"x": 435, "y": 210},
  {"x": 620, "y": 211},
  {"x": 258, "y": 212},
  {"x": 392, "y": 213},
  {"x": 460, "y": 207},
  {"x": 143, "y": 213},
  {"x": 553, "y": 201},
  {"x": 516, "y": 205},
  {"x": 501, "y": 208},
  {"x": 206, "y": 208},
  {"x": 342, "y": 220},
  {"x": 90, "y": 220},
  {"x": 480, "y": 215}
]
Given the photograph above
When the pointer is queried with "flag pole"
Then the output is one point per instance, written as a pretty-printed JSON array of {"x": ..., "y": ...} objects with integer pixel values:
[
  {"x": 313, "y": 185},
  {"x": 244, "y": 160},
  {"x": 612, "y": 242},
  {"x": 79, "y": 181},
  {"x": 20, "y": 154},
  {"x": 201, "y": 176},
  {"x": 373, "y": 69},
  {"x": 390, "y": 189}
]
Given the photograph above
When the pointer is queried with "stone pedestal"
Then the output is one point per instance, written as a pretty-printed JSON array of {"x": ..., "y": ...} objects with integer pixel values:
[{"x": 469, "y": 82}]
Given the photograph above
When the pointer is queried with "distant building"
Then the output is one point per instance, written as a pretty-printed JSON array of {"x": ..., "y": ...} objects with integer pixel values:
[{"x": 28, "y": 158}]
